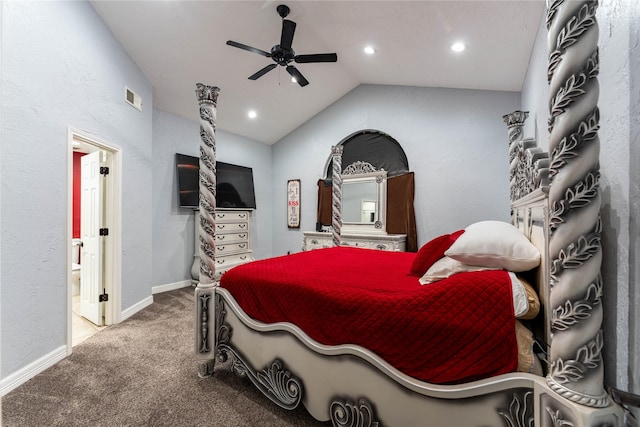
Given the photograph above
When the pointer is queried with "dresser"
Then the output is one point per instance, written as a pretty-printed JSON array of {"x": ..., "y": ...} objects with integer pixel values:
[
  {"x": 384, "y": 242},
  {"x": 233, "y": 241}
]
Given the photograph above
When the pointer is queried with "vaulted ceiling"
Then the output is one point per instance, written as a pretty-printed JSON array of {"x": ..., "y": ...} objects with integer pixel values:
[{"x": 179, "y": 43}]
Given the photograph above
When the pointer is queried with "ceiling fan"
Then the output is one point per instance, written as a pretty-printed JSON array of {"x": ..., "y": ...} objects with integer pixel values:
[{"x": 283, "y": 54}]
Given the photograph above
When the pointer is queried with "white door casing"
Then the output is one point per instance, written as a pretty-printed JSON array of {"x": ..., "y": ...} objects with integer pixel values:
[{"x": 91, "y": 203}]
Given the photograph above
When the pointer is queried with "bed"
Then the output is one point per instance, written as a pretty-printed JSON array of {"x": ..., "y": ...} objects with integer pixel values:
[{"x": 363, "y": 372}]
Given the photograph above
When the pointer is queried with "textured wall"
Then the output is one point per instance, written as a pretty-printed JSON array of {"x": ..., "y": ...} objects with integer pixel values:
[
  {"x": 52, "y": 79},
  {"x": 634, "y": 197},
  {"x": 535, "y": 91},
  {"x": 173, "y": 227},
  {"x": 455, "y": 141},
  {"x": 613, "y": 16}
]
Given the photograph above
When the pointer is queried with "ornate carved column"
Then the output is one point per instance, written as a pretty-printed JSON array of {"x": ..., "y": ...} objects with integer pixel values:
[
  {"x": 515, "y": 123},
  {"x": 528, "y": 163},
  {"x": 576, "y": 368},
  {"x": 205, "y": 340},
  {"x": 336, "y": 194}
]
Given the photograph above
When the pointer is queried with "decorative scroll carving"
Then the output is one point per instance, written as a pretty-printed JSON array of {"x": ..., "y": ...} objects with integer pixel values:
[
  {"x": 207, "y": 100},
  {"x": 336, "y": 196},
  {"x": 275, "y": 382},
  {"x": 204, "y": 323},
  {"x": 344, "y": 412},
  {"x": 528, "y": 164},
  {"x": 223, "y": 332},
  {"x": 576, "y": 370},
  {"x": 557, "y": 420},
  {"x": 520, "y": 412},
  {"x": 359, "y": 167}
]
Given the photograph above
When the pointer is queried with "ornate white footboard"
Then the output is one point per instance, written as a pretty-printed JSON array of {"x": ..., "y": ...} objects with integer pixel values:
[{"x": 353, "y": 387}]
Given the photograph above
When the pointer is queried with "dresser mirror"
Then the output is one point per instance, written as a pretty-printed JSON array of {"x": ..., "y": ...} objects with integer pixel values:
[{"x": 364, "y": 202}]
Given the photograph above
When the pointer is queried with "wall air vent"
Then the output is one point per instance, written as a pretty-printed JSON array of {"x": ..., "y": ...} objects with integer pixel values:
[{"x": 133, "y": 99}]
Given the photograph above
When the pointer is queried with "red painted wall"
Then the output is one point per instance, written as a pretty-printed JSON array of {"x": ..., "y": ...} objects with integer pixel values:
[{"x": 77, "y": 177}]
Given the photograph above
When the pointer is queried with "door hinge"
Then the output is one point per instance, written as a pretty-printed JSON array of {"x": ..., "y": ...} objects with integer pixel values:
[
  {"x": 104, "y": 297},
  {"x": 104, "y": 170},
  {"x": 104, "y": 231}
]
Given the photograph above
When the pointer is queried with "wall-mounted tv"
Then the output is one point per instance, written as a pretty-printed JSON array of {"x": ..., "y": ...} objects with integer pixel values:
[{"x": 234, "y": 184}]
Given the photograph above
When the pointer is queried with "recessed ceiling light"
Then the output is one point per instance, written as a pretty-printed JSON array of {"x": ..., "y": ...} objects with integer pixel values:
[
  {"x": 369, "y": 50},
  {"x": 252, "y": 114},
  {"x": 458, "y": 47}
]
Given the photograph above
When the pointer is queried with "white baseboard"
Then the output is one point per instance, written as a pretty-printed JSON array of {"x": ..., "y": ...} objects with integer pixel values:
[
  {"x": 170, "y": 287},
  {"x": 23, "y": 375},
  {"x": 136, "y": 308}
]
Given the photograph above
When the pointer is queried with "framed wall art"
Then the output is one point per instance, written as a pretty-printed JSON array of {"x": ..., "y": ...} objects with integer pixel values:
[{"x": 293, "y": 203}]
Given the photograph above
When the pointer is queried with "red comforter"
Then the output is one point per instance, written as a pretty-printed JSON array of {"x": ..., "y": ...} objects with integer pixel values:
[{"x": 452, "y": 331}]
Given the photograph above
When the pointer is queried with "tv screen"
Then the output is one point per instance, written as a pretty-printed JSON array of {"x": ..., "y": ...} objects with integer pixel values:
[{"x": 234, "y": 184}]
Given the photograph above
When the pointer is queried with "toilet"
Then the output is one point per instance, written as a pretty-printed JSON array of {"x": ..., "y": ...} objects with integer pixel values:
[{"x": 76, "y": 247}]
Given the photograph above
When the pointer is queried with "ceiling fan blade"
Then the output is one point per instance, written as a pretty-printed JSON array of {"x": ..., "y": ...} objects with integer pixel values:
[
  {"x": 297, "y": 75},
  {"x": 316, "y": 57},
  {"x": 262, "y": 72},
  {"x": 288, "y": 29},
  {"x": 249, "y": 48}
]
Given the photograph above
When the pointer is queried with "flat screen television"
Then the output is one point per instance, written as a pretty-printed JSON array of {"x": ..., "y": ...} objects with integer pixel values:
[{"x": 234, "y": 184}]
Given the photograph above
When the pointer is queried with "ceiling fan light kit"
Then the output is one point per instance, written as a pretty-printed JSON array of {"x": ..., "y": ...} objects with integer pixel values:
[{"x": 283, "y": 54}]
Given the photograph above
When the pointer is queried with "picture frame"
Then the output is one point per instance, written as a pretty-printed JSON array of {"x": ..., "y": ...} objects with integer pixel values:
[{"x": 293, "y": 203}]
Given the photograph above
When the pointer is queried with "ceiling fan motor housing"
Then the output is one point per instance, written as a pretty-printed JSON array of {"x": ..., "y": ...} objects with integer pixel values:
[
  {"x": 282, "y": 56},
  {"x": 283, "y": 10}
]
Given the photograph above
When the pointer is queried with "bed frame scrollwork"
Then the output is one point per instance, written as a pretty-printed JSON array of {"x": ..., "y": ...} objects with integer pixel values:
[{"x": 555, "y": 195}]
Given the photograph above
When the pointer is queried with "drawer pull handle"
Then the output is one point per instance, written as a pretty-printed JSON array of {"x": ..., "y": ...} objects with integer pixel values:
[
  {"x": 220, "y": 261},
  {"x": 221, "y": 216},
  {"x": 243, "y": 215},
  {"x": 220, "y": 226},
  {"x": 243, "y": 257},
  {"x": 242, "y": 236},
  {"x": 242, "y": 225},
  {"x": 242, "y": 245},
  {"x": 221, "y": 248},
  {"x": 220, "y": 237}
]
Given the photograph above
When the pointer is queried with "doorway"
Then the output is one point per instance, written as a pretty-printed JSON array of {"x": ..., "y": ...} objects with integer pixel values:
[{"x": 93, "y": 237}]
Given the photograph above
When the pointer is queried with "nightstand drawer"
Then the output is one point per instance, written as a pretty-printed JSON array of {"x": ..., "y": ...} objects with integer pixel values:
[
  {"x": 223, "y": 249},
  {"x": 223, "y": 216},
  {"x": 229, "y": 238},
  {"x": 231, "y": 227}
]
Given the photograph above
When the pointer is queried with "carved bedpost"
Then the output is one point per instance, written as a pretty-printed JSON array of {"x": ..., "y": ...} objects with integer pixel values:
[
  {"x": 205, "y": 321},
  {"x": 336, "y": 194},
  {"x": 576, "y": 368},
  {"x": 528, "y": 163},
  {"x": 514, "y": 122}
]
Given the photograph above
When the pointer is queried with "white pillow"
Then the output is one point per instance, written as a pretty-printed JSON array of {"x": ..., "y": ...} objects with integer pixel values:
[
  {"x": 520, "y": 299},
  {"x": 495, "y": 244},
  {"x": 446, "y": 267}
]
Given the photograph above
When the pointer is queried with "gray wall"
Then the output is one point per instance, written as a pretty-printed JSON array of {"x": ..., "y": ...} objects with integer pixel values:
[
  {"x": 173, "y": 227},
  {"x": 52, "y": 79},
  {"x": 455, "y": 141},
  {"x": 619, "y": 53},
  {"x": 619, "y": 105}
]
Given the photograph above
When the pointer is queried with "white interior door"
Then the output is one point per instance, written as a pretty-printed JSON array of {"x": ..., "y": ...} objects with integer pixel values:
[{"x": 90, "y": 223}]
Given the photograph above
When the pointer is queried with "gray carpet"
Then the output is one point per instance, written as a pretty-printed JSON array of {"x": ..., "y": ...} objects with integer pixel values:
[{"x": 142, "y": 372}]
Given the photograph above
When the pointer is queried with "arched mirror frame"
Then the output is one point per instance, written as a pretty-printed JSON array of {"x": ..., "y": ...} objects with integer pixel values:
[{"x": 359, "y": 171}]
